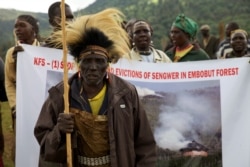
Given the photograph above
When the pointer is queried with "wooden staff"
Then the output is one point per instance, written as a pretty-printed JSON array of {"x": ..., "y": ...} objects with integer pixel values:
[
  {"x": 221, "y": 31},
  {"x": 65, "y": 81}
]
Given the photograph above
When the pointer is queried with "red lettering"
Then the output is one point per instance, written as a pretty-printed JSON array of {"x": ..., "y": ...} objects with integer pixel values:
[{"x": 39, "y": 61}]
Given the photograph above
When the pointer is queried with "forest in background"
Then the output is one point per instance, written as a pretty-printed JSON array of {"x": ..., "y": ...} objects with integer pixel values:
[{"x": 159, "y": 13}]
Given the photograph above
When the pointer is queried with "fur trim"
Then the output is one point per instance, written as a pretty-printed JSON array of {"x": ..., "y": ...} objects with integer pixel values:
[{"x": 108, "y": 21}]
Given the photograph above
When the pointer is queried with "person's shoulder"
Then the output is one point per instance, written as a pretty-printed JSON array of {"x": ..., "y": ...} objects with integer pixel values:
[
  {"x": 11, "y": 49},
  {"x": 116, "y": 78},
  {"x": 163, "y": 56},
  {"x": 203, "y": 54},
  {"x": 8, "y": 56},
  {"x": 229, "y": 55},
  {"x": 120, "y": 82},
  {"x": 1, "y": 69},
  {"x": 247, "y": 55},
  {"x": 223, "y": 43},
  {"x": 215, "y": 38},
  {"x": 160, "y": 52},
  {"x": 196, "y": 46},
  {"x": 170, "y": 51},
  {"x": 57, "y": 89},
  {"x": 200, "y": 52}
]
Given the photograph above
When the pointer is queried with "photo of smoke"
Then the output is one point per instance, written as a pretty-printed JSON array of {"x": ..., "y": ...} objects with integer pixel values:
[{"x": 186, "y": 121}]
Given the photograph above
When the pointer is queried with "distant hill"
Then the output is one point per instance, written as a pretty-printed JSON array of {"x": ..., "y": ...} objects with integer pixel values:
[{"x": 160, "y": 13}]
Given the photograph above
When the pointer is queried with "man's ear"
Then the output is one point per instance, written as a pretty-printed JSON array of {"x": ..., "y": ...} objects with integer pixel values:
[
  {"x": 35, "y": 35},
  {"x": 151, "y": 30},
  {"x": 51, "y": 22},
  {"x": 151, "y": 33}
]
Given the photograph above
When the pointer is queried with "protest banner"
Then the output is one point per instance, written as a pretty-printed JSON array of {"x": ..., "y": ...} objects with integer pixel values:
[{"x": 193, "y": 105}]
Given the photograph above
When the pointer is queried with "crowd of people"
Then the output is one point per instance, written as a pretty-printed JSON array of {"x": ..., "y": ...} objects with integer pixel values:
[{"x": 103, "y": 105}]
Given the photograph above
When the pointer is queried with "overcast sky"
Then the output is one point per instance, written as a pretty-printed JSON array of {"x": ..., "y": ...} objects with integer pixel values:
[{"x": 42, "y": 5}]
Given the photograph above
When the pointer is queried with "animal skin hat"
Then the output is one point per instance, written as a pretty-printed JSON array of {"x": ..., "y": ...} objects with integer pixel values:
[{"x": 100, "y": 33}]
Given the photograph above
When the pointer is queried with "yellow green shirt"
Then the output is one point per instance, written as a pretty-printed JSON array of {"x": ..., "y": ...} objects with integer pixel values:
[
  {"x": 96, "y": 102},
  {"x": 181, "y": 53}
]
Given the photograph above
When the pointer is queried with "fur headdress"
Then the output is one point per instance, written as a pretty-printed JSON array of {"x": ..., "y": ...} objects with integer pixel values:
[{"x": 103, "y": 29}]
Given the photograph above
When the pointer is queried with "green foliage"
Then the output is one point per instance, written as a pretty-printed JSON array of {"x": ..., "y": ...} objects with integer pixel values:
[
  {"x": 160, "y": 13},
  {"x": 213, "y": 160}
]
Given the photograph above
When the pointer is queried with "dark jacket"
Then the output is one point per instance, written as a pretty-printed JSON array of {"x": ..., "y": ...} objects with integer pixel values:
[
  {"x": 131, "y": 139},
  {"x": 195, "y": 54},
  {"x": 211, "y": 46},
  {"x": 3, "y": 96}
]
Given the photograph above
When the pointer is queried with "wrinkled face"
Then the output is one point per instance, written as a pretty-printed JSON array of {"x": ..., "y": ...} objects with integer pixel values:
[
  {"x": 141, "y": 35},
  {"x": 238, "y": 42},
  {"x": 93, "y": 69},
  {"x": 24, "y": 31},
  {"x": 179, "y": 37}
]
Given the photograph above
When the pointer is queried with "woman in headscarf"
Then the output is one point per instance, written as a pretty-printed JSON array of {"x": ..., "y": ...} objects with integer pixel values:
[
  {"x": 142, "y": 49},
  {"x": 238, "y": 42},
  {"x": 183, "y": 33}
]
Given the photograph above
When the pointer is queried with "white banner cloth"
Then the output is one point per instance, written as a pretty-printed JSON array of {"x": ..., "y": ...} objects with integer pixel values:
[{"x": 210, "y": 95}]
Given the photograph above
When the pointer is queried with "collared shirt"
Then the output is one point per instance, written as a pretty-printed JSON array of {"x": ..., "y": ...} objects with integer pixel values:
[
  {"x": 96, "y": 102},
  {"x": 158, "y": 56},
  {"x": 10, "y": 75}
]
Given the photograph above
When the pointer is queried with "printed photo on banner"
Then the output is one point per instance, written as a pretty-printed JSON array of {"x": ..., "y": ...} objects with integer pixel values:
[
  {"x": 186, "y": 121},
  {"x": 198, "y": 111}
]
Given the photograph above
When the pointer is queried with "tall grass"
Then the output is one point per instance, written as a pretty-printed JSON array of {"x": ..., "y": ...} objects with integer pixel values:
[{"x": 8, "y": 134}]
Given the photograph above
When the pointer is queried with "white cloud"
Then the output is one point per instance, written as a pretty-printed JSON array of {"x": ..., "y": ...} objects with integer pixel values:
[{"x": 42, "y": 6}]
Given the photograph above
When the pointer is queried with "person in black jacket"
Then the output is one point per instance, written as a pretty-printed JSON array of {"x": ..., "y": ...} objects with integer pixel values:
[{"x": 3, "y": 97}]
